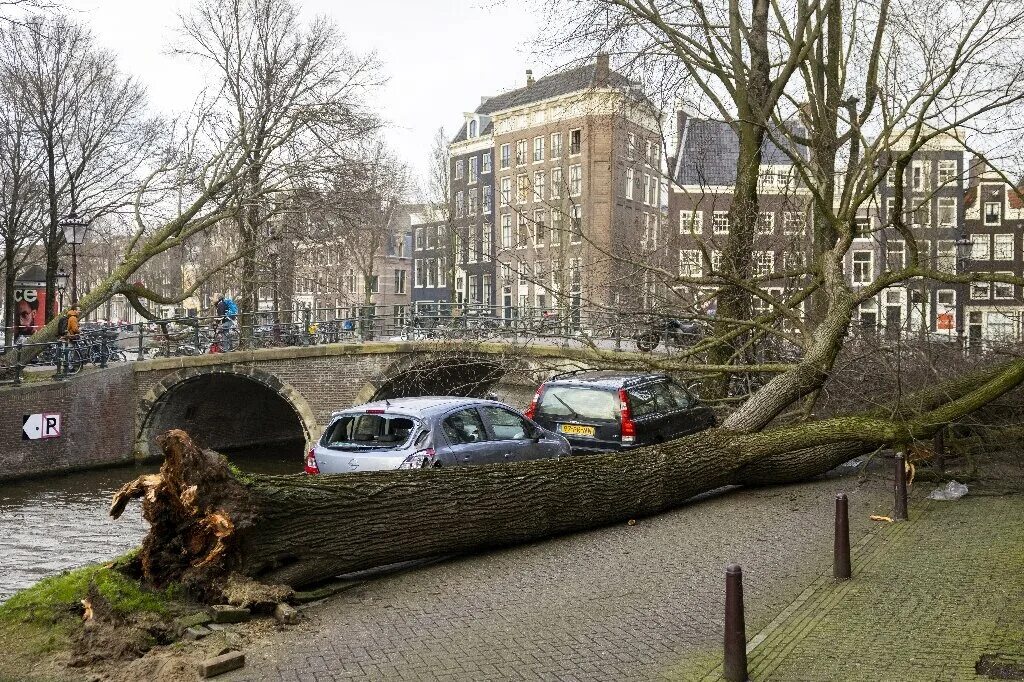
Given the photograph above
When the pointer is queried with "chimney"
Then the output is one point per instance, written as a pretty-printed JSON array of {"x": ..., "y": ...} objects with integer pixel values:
[
  {"x": 601, "y": 72},
  {"x": 529, "y": 77}
]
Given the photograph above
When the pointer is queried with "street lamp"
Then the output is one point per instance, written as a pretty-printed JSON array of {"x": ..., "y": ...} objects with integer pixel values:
[
  {"x": 62, "y": 285},
  {"x": 74, "y": 233},
  {"x": 963, "y": 254}
]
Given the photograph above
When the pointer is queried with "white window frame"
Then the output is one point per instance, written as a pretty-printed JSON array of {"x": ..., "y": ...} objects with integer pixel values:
[
  {"x": 790, "y": 218},
  {"x": 690, "y": 263},
  {"x": 720, "y": 222},
  {"x": 766, "y": 227},
  {"x": 575, "y": 180},
  {"x": 948, "y": 206},
  {"x": 981, "y": 247},
  {"x": 630, "y": 182},
  {"x": 1005, "y": 250},
  {"x": 556, "y": 145},
  {"x": 539, "y": 180},
  {"x": 538, "y": 149},
  {"x": 1009, "y": 291},
  {"x": 691, "y": 222},
  {"x": 862, "y": 271},
  {"x": 998, "y": 214},
  {"x": 763, "y": 263}
]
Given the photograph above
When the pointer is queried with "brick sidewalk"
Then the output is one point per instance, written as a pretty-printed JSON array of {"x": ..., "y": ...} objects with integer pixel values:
[{"x": 928, "y": 599}]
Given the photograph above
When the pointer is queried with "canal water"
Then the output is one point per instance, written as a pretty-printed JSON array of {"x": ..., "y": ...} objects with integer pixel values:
[{"x": 48, "y": 525}]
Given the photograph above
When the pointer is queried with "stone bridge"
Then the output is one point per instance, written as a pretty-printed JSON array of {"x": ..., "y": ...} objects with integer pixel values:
[{"x": 287, "y": 394}]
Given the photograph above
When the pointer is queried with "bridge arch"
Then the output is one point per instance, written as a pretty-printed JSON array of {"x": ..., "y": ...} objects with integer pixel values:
[{"x": 223, "y": 408}]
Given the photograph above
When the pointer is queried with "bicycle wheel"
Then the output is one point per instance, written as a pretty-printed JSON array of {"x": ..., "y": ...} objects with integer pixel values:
[{"x": 74, "y": 361}]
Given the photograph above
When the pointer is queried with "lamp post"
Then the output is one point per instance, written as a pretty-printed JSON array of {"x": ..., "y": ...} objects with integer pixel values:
[
  {"x": 62, "y": 285},
  {"x": 74, "y": 233},
  {"x": 963, "y": 255}
]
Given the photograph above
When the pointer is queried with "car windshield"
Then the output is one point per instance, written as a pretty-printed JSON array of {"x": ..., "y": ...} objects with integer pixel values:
[
  {"x": 380, "y": 431},
  {"x": 578, "y": 403}
]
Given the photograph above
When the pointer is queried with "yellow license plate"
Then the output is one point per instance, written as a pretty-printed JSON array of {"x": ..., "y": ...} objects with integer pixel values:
[{"x": 577, "y": 430}]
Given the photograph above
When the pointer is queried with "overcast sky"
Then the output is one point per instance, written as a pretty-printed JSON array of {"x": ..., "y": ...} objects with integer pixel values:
[{"x": 439, "y": 55}]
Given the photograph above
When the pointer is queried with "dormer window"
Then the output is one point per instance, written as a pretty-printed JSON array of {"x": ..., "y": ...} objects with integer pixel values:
[{"x": 472, "y": 128}]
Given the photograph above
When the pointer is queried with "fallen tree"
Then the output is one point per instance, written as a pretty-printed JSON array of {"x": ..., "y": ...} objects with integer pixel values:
[{"x": 209, "y": 521}]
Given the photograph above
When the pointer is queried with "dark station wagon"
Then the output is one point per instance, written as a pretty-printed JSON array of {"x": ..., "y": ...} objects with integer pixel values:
[{"x": 604, "y": 411}]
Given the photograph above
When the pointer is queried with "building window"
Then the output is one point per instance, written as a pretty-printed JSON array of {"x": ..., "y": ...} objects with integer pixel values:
[
  {"x": 575, "y": 141},
  {"x": 652, "y": 153},
  {"x": 945, "y": 256},
  {"x": 522, "y": 188},
  {"x": 993, "y": 212},
  {"x": 896, "y": 255},
  {"x": 538, "y": 149},
  {"x": 505, "y": 156},
  {"x": 460, "y": 166},
  {"x": 862, "y": 228},
  {"x": 474, "y": 202},
  {"x": 472, "y": 128},
  {"x": 488, "y": 289},
  {"x": 947, "y": 211},
  {"x": 690, "y": 263},
  {"x": 556, "y": 145},
  {"x": 520, "y": 152},
  {"x": 630, "y": 179},
  {"x": 556, "y": 183},
  {"x": 1002, "y": 247},
  {"x": 488, "y": 200},
  {"x": 1000, "y": 326},
  {"x": 631, "y": 147},
  {"x": 372, "y": 283},
  {"x": 418, "y": 239},
  {"x": 486, "y": 250},
  {"x": 765, "y": 222},
  {"x": 399, "y": 281},
  {"x": 716, "y": 260},
  {"x": 474, "y": 170},
  {"x": 460, "y": 204},
  {"x": 506, "y": 231},
  {"x": 720, "y": 222},
  {"x": 947, "y": 171},
  {"x": 793, "y": 223},
  {"x": 980, "y": 247},
  {"x": 646, "y": 181},
  {"x": 524, "y": 275},
  {"x": 506, "y": 191},
  {"x": 919, "y": 175},
  {"x": 575, "y": 224},
  {"x": 474, "y": 290},
  {"x": 539, "y": 178},
  {"x": 649, "y": 241},
  {"x": 540, "y": 227},
  {"x": 863, "y": 267},
  {"x": 485, "y": 163},
  {"x": 419, "y": 273},
  {"x": 691, "y": 222},
  {"x": 1002, "y": 290},
  {"x": 764, "y": 263},
  {"x": 793, "y": 260},
  {"x": 652, "y": 191},
  {"x": 923, "y": 214},
  {"x": 350, "y": 282},
  {"x": 575, "y": 180},
  {"x": 979, "y": 291},
  {"x": 522, "y": 231}
]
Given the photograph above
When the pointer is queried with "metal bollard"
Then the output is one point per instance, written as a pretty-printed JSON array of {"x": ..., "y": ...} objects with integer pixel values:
[
  {"x": 62, "y": 363},
  {"x": 900, "y": 512},
  {"x": 734, "y": 666},
  {"x": 841, "y": 550},
  {"x": 17, "y": 365},
  {"x": 140, "y": 342},
  {"x": 104, "y": 349}
]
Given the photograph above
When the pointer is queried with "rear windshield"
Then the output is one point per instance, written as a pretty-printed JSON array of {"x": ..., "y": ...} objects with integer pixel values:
[
  {"x": 380, "y": 431},
  {"x": 578, "y": 403}
]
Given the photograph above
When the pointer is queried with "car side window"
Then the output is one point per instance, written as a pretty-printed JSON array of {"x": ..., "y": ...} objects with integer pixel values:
[
  {"x": 682, "y": 396},
  {"x": 667, "y": 400},
  {"x": 641, "y": 401},
  {"x": 464, "y": 427},
  {"x": 506, "y": 425}
]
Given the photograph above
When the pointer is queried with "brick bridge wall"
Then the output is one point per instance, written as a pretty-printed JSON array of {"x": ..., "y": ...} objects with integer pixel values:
[{"x": 238, "y": 398}]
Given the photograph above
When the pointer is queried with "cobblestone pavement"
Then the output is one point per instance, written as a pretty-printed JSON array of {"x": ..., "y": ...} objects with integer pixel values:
[
  {"x": 621, "y": 603},
  {"x": 928, "y": 599}
]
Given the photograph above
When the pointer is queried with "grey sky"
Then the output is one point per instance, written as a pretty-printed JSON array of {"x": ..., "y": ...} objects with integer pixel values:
[{"x": 440, "y": 55}]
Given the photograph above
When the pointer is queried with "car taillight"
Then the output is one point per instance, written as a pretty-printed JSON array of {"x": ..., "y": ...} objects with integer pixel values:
[
  {"x": 311, "y": 467},
  {"x": 531, "y": 411},
  {"x": 628, "y": 425}
]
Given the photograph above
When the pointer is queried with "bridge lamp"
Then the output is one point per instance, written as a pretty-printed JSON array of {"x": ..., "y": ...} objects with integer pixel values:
[{"x": 74, "y": 229}]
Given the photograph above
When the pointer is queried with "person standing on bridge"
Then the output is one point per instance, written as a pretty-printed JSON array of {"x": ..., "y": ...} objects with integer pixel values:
[{"x": 227, "y": 315}]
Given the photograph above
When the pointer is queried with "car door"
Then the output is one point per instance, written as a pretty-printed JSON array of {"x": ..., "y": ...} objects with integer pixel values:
[
  {"x": 695, "y": 416},
  {"x": 516, "y": 436},
  {"x": 466, "y": 438},
  {"x": 643, "y": 409}
]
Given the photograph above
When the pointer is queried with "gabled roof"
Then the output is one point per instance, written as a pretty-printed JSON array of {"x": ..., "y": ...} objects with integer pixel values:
[
  {"x": 709, "y": 150},
  {"x": 555, "y": 85}
]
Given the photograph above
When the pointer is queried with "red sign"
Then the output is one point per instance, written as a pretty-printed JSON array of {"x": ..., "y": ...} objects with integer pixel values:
[
  {"x": 29, "y": 310},
  {"x": 944, "y": 321}
]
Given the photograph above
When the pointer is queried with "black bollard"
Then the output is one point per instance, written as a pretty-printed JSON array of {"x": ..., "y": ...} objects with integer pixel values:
[
  {"x": 735, "y": 664},
  {"x": 900, "y": 512},
  {"x": 841, "y": 551},
  {"x": 940, "y": 448}
]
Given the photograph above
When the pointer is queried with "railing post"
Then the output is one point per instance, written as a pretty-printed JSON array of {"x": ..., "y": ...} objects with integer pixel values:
[
  {"x": 734, "y": 666},
  {"x": 62, "y": 362},
  {"x": 17, "y": 364},
  {"x": 841, "y": 550},
  {"x": 104, "y": 349},
  {"x": 199, "y": 338},
  {"x": 900, "y": 511},
  {"x": 140, "y": 356}
]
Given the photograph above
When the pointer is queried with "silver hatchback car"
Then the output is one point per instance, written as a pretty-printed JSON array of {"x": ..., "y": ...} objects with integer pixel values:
[{"x": 411, "y": 433}]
